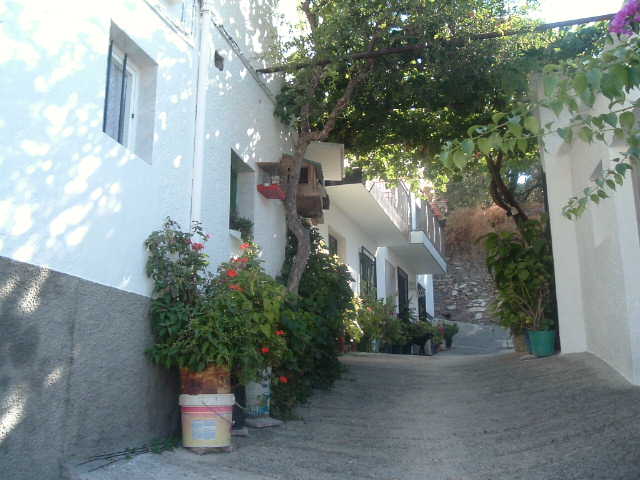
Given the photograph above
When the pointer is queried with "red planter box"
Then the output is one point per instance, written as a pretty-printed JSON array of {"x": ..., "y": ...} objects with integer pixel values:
[{"x": 272, "y": 192}]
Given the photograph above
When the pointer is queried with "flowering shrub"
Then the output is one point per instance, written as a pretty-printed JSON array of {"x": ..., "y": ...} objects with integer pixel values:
[{"x": 199, "y": 319}]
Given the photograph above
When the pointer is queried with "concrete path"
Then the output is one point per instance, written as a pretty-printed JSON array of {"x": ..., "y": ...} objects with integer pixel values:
[
  {"x": 473, "y": 339},
  {"x": 448, "y": 417}
]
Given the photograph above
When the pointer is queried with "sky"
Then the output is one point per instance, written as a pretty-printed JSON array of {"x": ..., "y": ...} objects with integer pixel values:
[{"x": 559, "y": 10}]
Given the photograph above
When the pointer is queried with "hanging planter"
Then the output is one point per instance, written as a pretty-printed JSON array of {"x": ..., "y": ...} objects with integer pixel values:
[{"x": 272, "y": 192}]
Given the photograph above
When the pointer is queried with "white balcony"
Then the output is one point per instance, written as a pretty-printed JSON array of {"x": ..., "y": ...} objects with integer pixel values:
[{"x": 394, "y": 219}]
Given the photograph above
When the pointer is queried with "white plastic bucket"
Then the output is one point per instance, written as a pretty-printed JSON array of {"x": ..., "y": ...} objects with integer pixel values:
[
  {"x": 258, "y": 396},
  {"x": 206, "y": 420}
]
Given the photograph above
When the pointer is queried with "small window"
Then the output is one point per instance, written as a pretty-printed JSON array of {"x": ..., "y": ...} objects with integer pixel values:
[
  {"x": 403, "y": 293},
  {"x": 304, "y": 175},
  {"x": 422, "y": 304},
  {"x": 218, "y": 60},
  {"x": 120, "y": 97},
  {"x": 333, "y": 245},
  {"x": 368, "y": 281},
  {"x": 130, "y": 95}
]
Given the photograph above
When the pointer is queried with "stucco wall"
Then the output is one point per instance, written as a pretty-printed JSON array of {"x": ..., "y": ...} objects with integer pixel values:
[
  {"x": 597, "y": 258},
  {"x": 240, "y": 118},
  {"x": 351, "y": 239},
  {"x": 71, "y": 197},
  {"x": 74, "y": 379}
]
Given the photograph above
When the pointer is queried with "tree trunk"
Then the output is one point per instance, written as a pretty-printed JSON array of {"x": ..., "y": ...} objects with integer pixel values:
[
  {"x": 502, "y": 196},
  {"x": 294, "y": 222}
]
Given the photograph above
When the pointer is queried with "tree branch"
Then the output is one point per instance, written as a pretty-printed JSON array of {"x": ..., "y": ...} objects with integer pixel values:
[{"x": 422, "y": 47}]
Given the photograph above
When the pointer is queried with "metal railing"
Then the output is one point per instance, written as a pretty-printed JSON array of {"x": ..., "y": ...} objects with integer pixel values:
[
  {"x": 395, "y": 200},
  {"x": 427, "y": 221}
]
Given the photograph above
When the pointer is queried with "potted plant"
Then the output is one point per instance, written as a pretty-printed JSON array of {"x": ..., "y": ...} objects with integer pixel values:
[
  {"x": 450, "y": 330},
  {"x": 210, "y": 326},
  {"x": 522, "y": 267}
]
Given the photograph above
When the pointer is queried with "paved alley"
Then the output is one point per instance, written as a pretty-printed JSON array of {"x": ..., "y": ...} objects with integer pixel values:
[{"x": 453, "y": 417}]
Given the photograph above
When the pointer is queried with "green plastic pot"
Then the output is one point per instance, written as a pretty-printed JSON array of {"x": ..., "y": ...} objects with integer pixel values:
[{"x": 543, "y": 342}]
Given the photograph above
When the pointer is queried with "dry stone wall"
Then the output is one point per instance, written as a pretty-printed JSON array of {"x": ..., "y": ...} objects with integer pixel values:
[{"x": 466, "y": 291}]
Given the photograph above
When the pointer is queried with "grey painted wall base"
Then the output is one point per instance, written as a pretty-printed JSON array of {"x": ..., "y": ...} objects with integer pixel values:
[{"x": 74, "y": 378}]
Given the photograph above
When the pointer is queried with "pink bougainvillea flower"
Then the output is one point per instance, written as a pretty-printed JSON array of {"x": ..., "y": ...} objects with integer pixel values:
[
  {"x": 621, "y": 23},
  {"x": 232, "y": 273},
  {"x": 236, "y": 287},
  {"x": 265, "y": 349},
  {"x": 197, "y": 246},
  {"x": 245, "y": 245},
  {"x": 281, "y": 332},
  {"x": 283, "y": 379}
]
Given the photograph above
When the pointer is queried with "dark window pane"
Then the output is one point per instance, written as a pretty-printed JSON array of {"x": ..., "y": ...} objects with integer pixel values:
[
  {"x": 333, "y": 245},
  {"x": 368, "y": 285},
  {"x": 304, "y": 175}
]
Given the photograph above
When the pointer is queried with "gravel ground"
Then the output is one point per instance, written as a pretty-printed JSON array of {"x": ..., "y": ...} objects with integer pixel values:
[{"x": 453, "y": 417}]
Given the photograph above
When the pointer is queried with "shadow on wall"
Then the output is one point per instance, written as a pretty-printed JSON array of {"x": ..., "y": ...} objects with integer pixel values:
[
  {"x": 73, "y": 376},
  {"x": 73, "y": 373},
  {"x": 70, "y": 191}
]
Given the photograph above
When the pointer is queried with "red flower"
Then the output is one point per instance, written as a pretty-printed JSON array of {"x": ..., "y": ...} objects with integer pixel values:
[
  {"x": 283, "y": 379},
  {"x": 281, "y": 332},
  {"x": 245, "y": 245},
  {"x": 232, "y": 273},
  {"x": 265, "y": 350},
  {"x": 197, "y": 246},
  {"x": 236, "y": 287},
  {"x": 242, "y": 259}
]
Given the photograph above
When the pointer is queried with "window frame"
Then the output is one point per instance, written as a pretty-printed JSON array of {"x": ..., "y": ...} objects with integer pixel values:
[
  {"x": 333, "y": 242},
  {"x": 403, "y": 293},
  {"x": 129, "y": 66},
  {"x": 368, "y": 288}
]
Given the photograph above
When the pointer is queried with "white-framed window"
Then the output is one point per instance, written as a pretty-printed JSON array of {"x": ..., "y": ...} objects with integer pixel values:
[{"x": 121, "y": 97}]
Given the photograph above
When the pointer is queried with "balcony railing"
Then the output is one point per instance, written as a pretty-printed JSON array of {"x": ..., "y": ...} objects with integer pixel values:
[
  {"x": 395, "y": 200},
  {"x": 427, "y": 221}
]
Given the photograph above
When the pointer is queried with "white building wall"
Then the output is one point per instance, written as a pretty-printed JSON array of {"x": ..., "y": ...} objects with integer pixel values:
[
  {"x": 350, "y": 241},
  {"x": 72, "y": 198},
  {"x": 75, "y": 200},
  {"x": 240, "y": 118},
  {"x": 597, "y": 259}
]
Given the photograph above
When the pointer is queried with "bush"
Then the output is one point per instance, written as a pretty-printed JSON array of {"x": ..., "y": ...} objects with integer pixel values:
[
  {"x": 198, "y": 319},
  {"x": 313, "y": 321},
  {"x": 521, "y": 265},
  {"x": 379, "y": 322}
]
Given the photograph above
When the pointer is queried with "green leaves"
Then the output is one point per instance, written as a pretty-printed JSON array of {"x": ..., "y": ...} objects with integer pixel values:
[
  {"x": 485, "y": 145},
  {"x": 460, "y": 159},
  {"x": 532, "y": 124},
  {"x": 566, "y": 134},
  {"x": 627, "y": 120}
]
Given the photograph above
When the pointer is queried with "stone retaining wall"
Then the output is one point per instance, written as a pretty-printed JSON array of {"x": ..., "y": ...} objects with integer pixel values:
[{"x": 465, "y": 292}]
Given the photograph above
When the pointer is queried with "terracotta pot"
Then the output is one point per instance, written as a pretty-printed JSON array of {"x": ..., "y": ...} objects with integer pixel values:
[
  {"x": 212, "y": 380},
  {"x": 520, "y": 343}
]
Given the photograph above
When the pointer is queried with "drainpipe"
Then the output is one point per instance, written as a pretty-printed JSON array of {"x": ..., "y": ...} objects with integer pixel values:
[{"x": 204, "y": 53}]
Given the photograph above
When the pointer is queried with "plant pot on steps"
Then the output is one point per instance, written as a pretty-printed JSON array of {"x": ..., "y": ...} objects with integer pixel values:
[
  {"x": 211, "y": 380},
  {"x": 206, "y": 404},
  {"x": 520, "y": 343},
  {"x": 258, "y": 403},
  {"x": 543, "y": 342}
]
